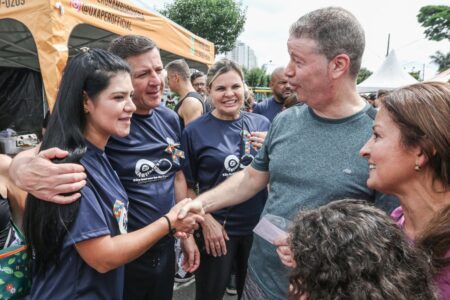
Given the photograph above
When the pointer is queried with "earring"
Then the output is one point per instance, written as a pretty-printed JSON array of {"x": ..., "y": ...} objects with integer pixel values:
[{"x": 417, "y": 167}]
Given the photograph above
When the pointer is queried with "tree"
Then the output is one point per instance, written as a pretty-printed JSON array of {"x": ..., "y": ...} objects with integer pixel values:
[
  {"x": 256, "y": 77},
  {"x": 219, "y": 21},
  {"x": 442, "y": 60},
  {"x": 436, "y": 20},
  {"x": 415, "y": 74},
  {"x": 363, "y": 74}
]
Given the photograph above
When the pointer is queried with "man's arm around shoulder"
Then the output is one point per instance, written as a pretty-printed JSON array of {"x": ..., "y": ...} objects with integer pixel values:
[{"x": 34, "y": 173}]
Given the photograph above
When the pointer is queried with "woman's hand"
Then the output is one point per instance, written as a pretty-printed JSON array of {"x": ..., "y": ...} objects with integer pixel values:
[
  {"x": 257, "y": 139},
  {"x": 191, "y": 259},
  {"x": 214, "y": 235},
  {"x": 285, "y": 253}
]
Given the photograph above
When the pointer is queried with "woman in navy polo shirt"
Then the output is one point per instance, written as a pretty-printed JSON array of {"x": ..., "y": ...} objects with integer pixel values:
[
  {"x": 79, "y": 248},
  {"x": 217, "y": 145}
]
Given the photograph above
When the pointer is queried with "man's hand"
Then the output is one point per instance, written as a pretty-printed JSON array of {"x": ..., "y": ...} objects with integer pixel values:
[
  {"x": 193, "y": 206},
  {"x": 191, "y": 259},
  {"x": 285, "y": 253},
  {"x": 214, "y": 235},
  {"x": 46, "y": 180},
  {"x": 189, "y": 222}
]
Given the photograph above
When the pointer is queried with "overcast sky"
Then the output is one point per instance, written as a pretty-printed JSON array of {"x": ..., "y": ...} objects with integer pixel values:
[{"x": 268, "y": 22}]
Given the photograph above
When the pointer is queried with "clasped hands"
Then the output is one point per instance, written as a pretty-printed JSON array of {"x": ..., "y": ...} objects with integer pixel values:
[{"x": 186, "y": 216}]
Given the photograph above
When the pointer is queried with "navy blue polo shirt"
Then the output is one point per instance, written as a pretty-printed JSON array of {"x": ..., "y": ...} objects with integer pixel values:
[
  {"x": 269, "y": 108},
  {"x": 215, "y": 150},
  {"x": 145, "y": 165},
  {"x": 72, "y": 278}
]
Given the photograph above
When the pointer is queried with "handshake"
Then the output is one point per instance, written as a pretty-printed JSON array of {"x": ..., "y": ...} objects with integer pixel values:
[{"x": 185, "y": 217}]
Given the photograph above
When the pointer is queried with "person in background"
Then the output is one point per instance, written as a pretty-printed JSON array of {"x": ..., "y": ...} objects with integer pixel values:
[
  {"x": 249, "y": 101},
  {"x": 409, "y": 157},
  {"x": 379, "y": 98},
  {"x": 291, "y": 101},
  {"x": 348, "y": 249},
  {"x": 12, "y": 206},
  {"x": 218, "y": 145},
  {"x": 191, "y": 104},
  {"x": 198, "y": 80},
  {"x": 370, "y": 99},
  {"x": 281, "y": 90}
]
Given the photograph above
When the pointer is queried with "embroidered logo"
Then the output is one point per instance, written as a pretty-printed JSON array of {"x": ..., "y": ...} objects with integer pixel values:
[
  {"x": 173, "y": 150},
  {"x": 121, "y": 215}
]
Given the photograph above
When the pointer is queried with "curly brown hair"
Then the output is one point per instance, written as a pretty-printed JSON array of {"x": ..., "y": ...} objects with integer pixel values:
[{"x": 349, "y": 249}]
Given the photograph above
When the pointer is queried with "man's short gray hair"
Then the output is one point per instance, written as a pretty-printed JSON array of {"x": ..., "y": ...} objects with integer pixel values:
[
  {"x": 336, "y": 31},
  {"x": 180, "y": 67}
]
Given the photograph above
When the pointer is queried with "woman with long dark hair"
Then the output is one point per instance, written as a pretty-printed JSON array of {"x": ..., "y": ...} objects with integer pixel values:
[
  {"x": 93, "y": 103},
  {"x": 217, "y": 145},
  {"x": 409, "y": 157}
]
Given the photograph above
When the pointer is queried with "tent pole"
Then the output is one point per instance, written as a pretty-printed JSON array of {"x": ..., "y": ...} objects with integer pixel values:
[{"x": 388, "y": 41}]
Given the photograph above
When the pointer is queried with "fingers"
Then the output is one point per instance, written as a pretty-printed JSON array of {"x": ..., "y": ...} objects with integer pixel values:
[
  {"x": 281, "y": 242},
  {"x": 198, "y": 220},
  {"x": 193, "y": 206},
  {"x": 64, "y": 199},
  {"x": 191, "y": 264},
  {"x": 53, "y": 153},
  {"x": 223, "y": 247},
  {"x": 196, "y": 261},
  {"x": 206, "y": 241},
  {"x": 285, "y": 254},
  {"x": 217, "y": 247},
  {"x": 68, "y": 188},
  {"x": 181, "y": 235},
  {"x": 257, "y": 139},
  {"x": 75, "y": 170},
  {"x": 225, "y": 235}
]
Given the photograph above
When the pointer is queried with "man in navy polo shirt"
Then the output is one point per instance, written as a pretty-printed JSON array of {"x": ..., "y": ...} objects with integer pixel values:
[
  {"x": 281, "y": 90},
  {"x": 148, "y": 164}
]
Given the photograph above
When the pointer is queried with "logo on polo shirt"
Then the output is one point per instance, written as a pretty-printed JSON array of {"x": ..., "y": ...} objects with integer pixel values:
[
  {"x": 145, "y": 168},
  {"x": 232, "y": 162}
]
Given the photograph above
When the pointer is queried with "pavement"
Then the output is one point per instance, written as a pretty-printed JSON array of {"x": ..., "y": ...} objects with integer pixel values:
[{"x": 186, "y": 291}]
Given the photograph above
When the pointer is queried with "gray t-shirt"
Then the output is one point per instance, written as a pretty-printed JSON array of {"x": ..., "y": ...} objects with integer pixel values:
[{"x": 312, "y": 161}]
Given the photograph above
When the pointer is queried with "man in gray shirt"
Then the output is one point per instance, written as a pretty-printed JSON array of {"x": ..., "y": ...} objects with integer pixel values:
[{"x": 310, "y": 156}]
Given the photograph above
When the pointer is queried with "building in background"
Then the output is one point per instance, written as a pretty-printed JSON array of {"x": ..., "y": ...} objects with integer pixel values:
[{"x": 243, "y": 55}]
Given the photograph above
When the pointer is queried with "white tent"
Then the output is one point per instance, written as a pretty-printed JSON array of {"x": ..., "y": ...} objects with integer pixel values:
[
  {"x": 389, "y": 76},
  {"x": 442, "y": 77}
]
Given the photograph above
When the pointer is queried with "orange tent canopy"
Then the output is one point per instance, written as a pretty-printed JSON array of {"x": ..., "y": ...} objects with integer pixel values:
[{"x": 41, "y": 34}]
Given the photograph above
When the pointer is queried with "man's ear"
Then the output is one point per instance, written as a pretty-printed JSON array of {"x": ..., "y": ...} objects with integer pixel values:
[{"x": 339, "y": 65}]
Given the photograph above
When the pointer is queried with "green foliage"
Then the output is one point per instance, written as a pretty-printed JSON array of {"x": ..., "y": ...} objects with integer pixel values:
[
  {"x": 219, "y": 21},
  {"x": 415, "y": 74},
  {"x": 256, "y": 77},
  {"x": 436, "y": 20},
  {"x": 362, "y": 75},
  {"x": 442, "y": 60}
]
